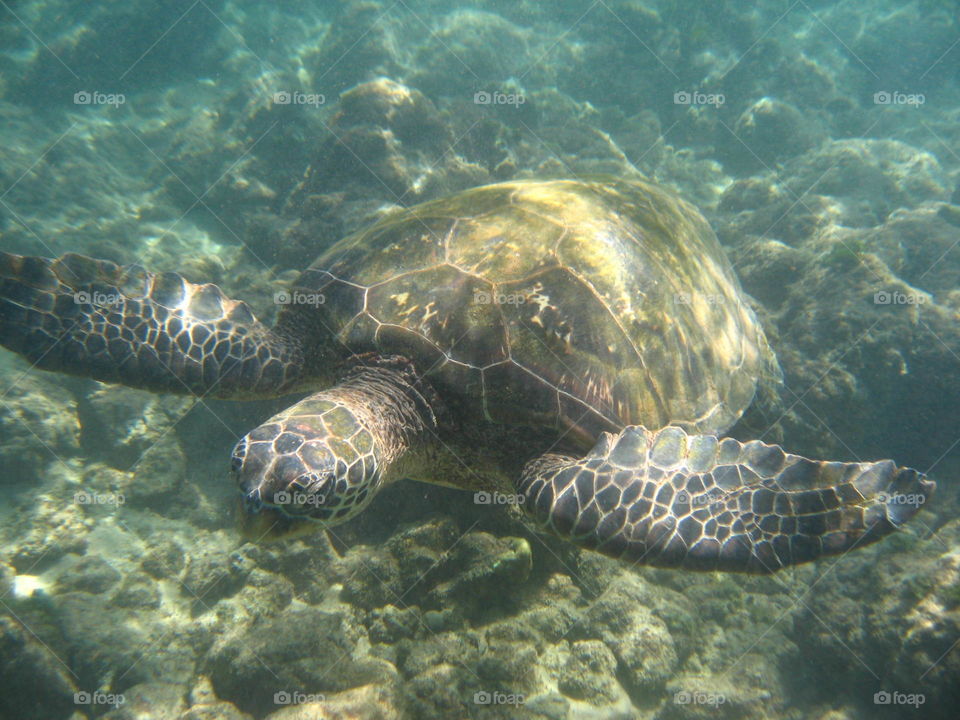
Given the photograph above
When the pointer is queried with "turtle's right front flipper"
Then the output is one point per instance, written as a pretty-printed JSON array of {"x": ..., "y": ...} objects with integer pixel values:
[
  {"x": 671, "y": 499},
  {"x": 119, "y": 324}
]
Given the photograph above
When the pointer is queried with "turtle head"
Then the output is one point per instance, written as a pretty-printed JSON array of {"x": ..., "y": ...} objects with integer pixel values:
[{"x": 313, "y": 465}]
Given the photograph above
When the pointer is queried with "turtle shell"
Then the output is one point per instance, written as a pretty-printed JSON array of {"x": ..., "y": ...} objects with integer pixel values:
[{"x": 579, "y": 305}]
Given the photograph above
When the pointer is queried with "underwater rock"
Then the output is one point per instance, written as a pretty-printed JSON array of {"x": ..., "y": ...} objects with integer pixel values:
[
  {"x": 926, "y": 662},
  {"x": 151, "y": 701},
  {"x": 122, "y": 424},
  {"x": 220, "y": 710},
  {"x": 892, "y": 394},
  {"x": 639, "y": 640},
  {"x": 506, "y": 665},
  {"x": 264, "y": 593},
  {"x": 887, "y": 624},
  {"x": 370, "y": 702},
  {"x": 772, "y": 267},
  {"x": 914, "y": 243},
  {"x": 39, "y": 426},
  {"x": 390, "y": 623},
  {"x": 488, "y": 567},
  {"x": 872, "y": 177},
  {"x": 566, "y": 138},
  {"x": 590, "y": 673},
  {"x": 51, "y": 528},
  {"x": 597, "y": 65},
  {"x": 209, "y": 577},
  {"x": 204, "y": 704},
  {"x": 37, "y": 684},
  {"x": 300, "y": 650},
  {"x": 91, "y": 574},
  {"x": 771, "y": 131},
  {"x": 367, "y": 34},
  {"x": 554, "y": 609},
  {"x": 163, "y": 559},
  {"x": 389, "y": 143},
  {"x": 7, "y": 579},
  {"x": 387, "y": 104},
  {"x": 473, "y": 51},
  {"x": 93, "y": 43},
  {"x": 865, "y": 351},
  {"x": 310, "y": 563},
  {"x": 318, "y": 224},
  {"x": 845, "y": 713},
  {"x": 438, "y": 674},
  {"x": 371, "y": 578},
  {"x": 852, "y": 183},
  {"x": 159, "y": 478},
  {"x": 730, "y": 696},
  {"x": 922, "y": 33},
  {"x": 434, "y": 566},
  {"x": 100, "y": 638},
  {"x": 138, "y": 591},
  {"x": 202, "y": 692}
]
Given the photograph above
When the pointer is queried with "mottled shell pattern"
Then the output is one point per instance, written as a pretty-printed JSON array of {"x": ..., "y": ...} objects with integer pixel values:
[{"x": 580, "y": 305}]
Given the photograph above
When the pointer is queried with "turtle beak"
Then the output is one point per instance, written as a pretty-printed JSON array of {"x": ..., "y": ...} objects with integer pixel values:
[{"x": 260, "y": 524}]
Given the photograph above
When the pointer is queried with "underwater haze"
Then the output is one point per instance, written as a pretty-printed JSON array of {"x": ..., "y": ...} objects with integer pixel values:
[{"x": 234, "y": 141}]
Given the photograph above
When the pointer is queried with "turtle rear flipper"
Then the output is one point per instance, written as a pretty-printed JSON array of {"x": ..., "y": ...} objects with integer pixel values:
[
  {"x": 155, "y": 331},
  {"x": 671, "y": 499}
]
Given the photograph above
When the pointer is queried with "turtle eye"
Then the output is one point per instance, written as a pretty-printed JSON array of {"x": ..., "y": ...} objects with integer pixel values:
[
  {"x": 301, "y": 482},
  {"x": 310, "y": 482}
]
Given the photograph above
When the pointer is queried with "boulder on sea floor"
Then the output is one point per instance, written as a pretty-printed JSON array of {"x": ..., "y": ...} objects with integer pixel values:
[
  {"x": 303, "y": 650},
  {"x": 39, "y": 426}
]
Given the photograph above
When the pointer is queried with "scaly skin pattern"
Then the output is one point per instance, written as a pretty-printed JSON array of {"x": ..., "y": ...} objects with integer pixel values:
[
  {"x": 323, "y": 459},
  {"x": 313, "y": 460},
  {"x": 697, "y": 502},
  {"x": 149, "y": 330}
]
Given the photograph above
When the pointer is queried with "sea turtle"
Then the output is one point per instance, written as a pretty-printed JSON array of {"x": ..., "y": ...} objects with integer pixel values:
[{"x": 576, "y": 345}]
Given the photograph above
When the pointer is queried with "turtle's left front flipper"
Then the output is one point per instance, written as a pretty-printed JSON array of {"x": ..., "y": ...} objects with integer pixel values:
[
  {"x": 672, "y": 499},
  {"x": 155, "y": 331}
]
